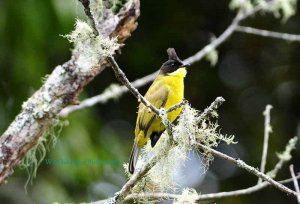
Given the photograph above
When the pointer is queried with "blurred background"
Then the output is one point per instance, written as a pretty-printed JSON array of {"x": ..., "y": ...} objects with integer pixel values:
[{"x": 250, "y": 73}]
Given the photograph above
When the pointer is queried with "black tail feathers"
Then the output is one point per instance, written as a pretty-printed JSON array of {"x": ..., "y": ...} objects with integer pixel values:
[{"x": 133, "y": 158}]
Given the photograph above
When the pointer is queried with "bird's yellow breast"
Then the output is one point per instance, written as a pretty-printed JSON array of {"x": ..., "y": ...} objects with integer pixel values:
[
  {"x": 169, "y": 85},
  {"x": 176, "y": 87}
]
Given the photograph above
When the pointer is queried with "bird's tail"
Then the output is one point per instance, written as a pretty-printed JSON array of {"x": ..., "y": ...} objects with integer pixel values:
[{"x": 133, "y": 158}]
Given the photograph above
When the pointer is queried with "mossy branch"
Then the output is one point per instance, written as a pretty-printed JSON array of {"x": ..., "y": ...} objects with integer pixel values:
[{"x": 64, "y": 84}]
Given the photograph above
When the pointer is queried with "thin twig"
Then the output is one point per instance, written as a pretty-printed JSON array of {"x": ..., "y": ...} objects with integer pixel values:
[
  {"x": 214, "y": 105},
  {"x": 202, "y": 197},
  {"x": 87, "y": 10},
  {"x": 290, "y": 179},
  {"x": 284, "y": 157},
  {"x": 209, "y": 110},
  {"x": 176, "y": 106},
  {"x": 242, "y": 15},
  {"x": 138, "y": 174},
  {"x": 296, "y": 184},
  {"x": 249, "y": 168},
  {"x": 282, "y": 160},
  {"x": 113, "y": 91},
  {"x": 267, "y": 131},
  {"x": 269, "y": 34},
  {"x": 218, "y": 41},
  {"x": 120, "y": 75},
  {"x": 209, "y": 196}
]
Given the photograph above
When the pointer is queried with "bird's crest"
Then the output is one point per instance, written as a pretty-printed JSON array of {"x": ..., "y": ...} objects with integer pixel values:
[{"x": 172, "y": 54}]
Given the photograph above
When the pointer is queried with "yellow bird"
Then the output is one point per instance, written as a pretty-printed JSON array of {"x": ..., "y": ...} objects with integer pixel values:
[{"x": 166, "y": 91}]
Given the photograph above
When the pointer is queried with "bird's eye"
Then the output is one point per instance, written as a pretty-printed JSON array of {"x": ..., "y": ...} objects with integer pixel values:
[{"x": 173, "y": 64}]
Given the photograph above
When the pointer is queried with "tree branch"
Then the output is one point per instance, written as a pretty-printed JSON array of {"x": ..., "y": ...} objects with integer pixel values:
[
  {"x": 296, "y": 184},
  {"x": 213, "y": 106},
  {"x": 241, "y": 164},
  {"x": 120, "y": 75},
  {"x": 267, "y": 131},
  {"x": 176, "y": 106},
  {"x": 203, "y": 197},
  {"x": 113, "y": 91},
  {"x": 211, "y": 196},
  {"x": 269, "y": 34},
  {"x": 284, "y": 157},
  {"x": 87, "y": 11}
]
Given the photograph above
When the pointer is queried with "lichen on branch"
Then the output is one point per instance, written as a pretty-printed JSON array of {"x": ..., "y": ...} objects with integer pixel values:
[
  {"x": 283, "y": 9},
  {"x": 190, "y": 128},
  {"x": 36, "y": 155},
  {"x": 90, "y": 46},
  {"x": 188, "y": 196}
]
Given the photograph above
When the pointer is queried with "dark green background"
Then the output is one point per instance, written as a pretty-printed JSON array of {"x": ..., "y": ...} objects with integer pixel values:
[{"x": 251, "y": 72}]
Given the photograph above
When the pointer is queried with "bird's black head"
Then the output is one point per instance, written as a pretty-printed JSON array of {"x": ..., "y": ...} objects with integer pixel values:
[{"x": 173, "y": 62}]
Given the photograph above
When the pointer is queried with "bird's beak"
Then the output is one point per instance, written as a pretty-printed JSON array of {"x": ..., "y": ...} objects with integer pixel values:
[{"x": 185, "y": 65}]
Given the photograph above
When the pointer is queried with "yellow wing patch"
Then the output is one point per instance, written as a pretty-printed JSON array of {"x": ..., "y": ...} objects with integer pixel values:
[{"x": 157, "y": 95}]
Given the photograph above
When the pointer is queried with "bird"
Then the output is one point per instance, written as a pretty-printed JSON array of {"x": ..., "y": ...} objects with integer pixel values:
[{"x": 166, "y": 90}]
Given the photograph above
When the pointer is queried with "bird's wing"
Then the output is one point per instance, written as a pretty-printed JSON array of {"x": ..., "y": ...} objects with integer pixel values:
[{"x": 157, "y": 95}]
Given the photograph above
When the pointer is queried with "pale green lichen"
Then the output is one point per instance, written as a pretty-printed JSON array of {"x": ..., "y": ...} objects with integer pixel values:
[
  {"x": 36, "y": 154},
  {"x": 188, "y": 196},
  {"x": 96, "y": 7},
  {"x": 212, "y": 57},
  {"x": 283, "y": 9},
  {"x": 286, "y": 155},
  {"x": 241, "y": 4},
  {"x": 204, "y": 131},
  {"x": 44, "y": 79},
  {"x": 89, "y": 47},
  {"x": 190, "y": 130}
]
